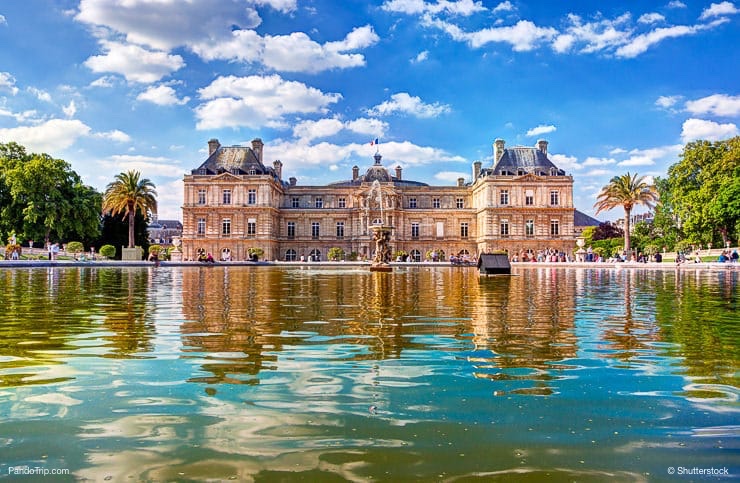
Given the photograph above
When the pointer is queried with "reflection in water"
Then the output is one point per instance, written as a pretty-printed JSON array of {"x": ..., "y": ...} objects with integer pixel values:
[{"x": 272, "y": 373}]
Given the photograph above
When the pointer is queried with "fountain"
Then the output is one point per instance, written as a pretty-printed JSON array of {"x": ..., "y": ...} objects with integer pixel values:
[{"x": 381, "y": 234}]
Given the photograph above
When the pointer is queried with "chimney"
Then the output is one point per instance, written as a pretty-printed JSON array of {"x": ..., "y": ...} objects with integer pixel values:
[
  {"x": 476, "y": 170},
  {"x": 257, "y": 146},
  {"x": 398, "y": 172},
  {"x": 461, "y": 181},
  {"x": 278, "y": 166},
  {"x": 498, "y": 149},
  {"x": 542, "y": 146},
  {"x": 213, "y": 145},
  {"x": 292, "y": 181},
  {"x": 355, "y": 173}
]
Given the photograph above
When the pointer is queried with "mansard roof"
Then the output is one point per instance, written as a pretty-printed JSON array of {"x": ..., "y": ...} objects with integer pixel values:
[
  {"x": 235, "y": 160},
  {"x": 582, "y": 219},
  {"x": 522, "y": 159}
]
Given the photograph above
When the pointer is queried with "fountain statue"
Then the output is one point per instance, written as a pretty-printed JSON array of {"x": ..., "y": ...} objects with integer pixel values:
[{"x": 381, "y": 233}]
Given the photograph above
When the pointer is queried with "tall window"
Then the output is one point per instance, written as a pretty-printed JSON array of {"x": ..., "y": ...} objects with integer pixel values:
[
  {"x": 529, "y": 228},
  {"x": 319, "y": 203},
  {"x": 504, "y": 197},
  {"x": 412, "y": 202},
  {"x": 529, "y": 197},
  {"x": 435, "y": 203},
  {"x": 226, "y": 226},
  {"x": 201, "y": 228},
  {"x": 554, "y": 198},
  {"x": 295, "y": 202},
  {"x": 554, "y": 227},
  {"x": 415, "y": 230},
  {"x": 290, "y": 255},
  {"x": 291, "y": 229},
  {"x": 227, "y": 197},
  {"x": 460, "y": 203},
  {"x": 251, "y": 197},
  {"x": 201, "y": 197},
  {"x": 463, "y": 230},
  {"x": 315, "y": 229},
  {"x": 342, "y": 202},
  {"x": 504, "y": 228},
  {"x": 340, "y": 229},
  {"x": 251, "y": 227}
]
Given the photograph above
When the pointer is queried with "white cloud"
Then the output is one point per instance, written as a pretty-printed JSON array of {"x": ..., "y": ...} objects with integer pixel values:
[
  {"x": 717, "y": 104},
  {"x": 667, "y": 102},
  {"x": 403, "y": 103},
  {"x": 135, "y": 63},
  {"x": 295, "y": 52},
  {"x": 565, "y": 162},
  {"x": 7, "y": 82},
  {"x": 40, "y": 94},
  {"x": 719, "y": 9},
  {"x": 460, "y": 7},
  {"x": 695, "y": 129},
  {"x": 597, "y": 172},
  {"x": 309, "y": 130},
  {"x": 115, "y": 135},
  {"x": 48, "y": 137},
  {"x": 641, "y": 43},
  {"x": 2, "y": 20},
  {"x": 523, "y": 36},
  {"x": 649, "y": 18},
  {"x": 370, "y": 126},
  {"x": 676, "y": 4},
  {"x": 616, "y": 151},
  {"x": 451, "y": 176},
  {"x": 420, "y": 57},
  {"x": 257, "y": 101},
  {"x": 592, "y": 161},
  {"x": 595, "y": 36},
  {"x": 169, "y": 198},
  {"x": 105, "y": 81},
  {"x": 541, "y": 129},
  {"x": 162, "y": 95},
  {"x": 504, "y": 7},
  {"x": 149, "y": 166},
  {"x": 70, "y": 109},
  {"x": 637, "y": 161}
]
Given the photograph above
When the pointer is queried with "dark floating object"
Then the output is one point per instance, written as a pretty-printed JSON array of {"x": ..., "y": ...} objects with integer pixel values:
[{"x": 494, "y": 264}]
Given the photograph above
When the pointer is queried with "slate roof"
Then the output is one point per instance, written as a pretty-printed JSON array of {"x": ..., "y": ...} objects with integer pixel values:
[
  {"x": 520, "y": 160},
  {"x": 378, "y": 172},
  {"x": 233, "y": 159},
  {"x": 582, "y": 219}
]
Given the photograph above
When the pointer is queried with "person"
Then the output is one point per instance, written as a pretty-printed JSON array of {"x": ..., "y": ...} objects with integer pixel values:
[
  {"x": 54, "y": 251},
  {"x": 658, "y": 258},
  {"x": 722, "y": 257},
  {"x": 209, "y": 258},
  {"x": 734, "y": 256},
  {"x": 697, "y": 257}
]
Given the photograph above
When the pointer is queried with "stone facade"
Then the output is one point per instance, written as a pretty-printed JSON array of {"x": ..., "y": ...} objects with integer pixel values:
[{"x": 234, "y": 202}]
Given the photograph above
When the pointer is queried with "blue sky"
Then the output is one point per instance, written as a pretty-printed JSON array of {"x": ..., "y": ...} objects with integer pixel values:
[{"x": 112, "y": 85}]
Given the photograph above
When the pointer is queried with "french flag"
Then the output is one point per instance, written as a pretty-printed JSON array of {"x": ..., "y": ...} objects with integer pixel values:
[{"x": 374, "y": 142}]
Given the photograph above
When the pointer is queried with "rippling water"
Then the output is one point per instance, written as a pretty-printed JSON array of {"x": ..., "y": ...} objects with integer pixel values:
[{"x": 334, "y": 374}]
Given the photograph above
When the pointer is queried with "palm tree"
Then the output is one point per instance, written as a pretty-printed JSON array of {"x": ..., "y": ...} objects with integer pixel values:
[
  {"x": 626, "y": 191},
  {"x": 128, "y": 194}
]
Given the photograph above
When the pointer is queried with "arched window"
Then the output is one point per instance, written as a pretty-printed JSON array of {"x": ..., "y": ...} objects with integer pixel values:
[
  {"x": 315, "y": 255},
  {"x": 416, "y": 255},
  {"x": 290, "y": 255}
]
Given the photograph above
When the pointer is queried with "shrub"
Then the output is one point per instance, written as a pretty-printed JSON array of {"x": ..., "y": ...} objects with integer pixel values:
[
  {"x": 108, "y": 251},
  {"x": 255, "y": 253},
  {"x": 75, "y": 247},
  {"x": 155, "y": 249},
  {"x": 336, "y": 254}
]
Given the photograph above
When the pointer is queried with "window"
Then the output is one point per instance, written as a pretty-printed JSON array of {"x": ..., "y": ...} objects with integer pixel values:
[
  {"x": 315, "y": 229},
  {"x": 319, "y": 202},
  {"x": 435, "y": 203},
  {"x": 201, "y": 228},
  {"x": 226, "y": 197},
  {"x": 251, "y": 197},
  {"x": 463, "y": 230},
  {"x": 529, "y": 228},
  {"x": 201, "y": 197},
  {"x": 529, "y": 197},
  {"x": 412, "y": 202},
  {"x": 226, "y": 226},
  {"x": 554, "y": 227},
  {"x": 290, "y": 255},
  {"x": 252, "y": 172},
  {"x": 504, "y": 228},
  {"x": 340, "y": 229},
  {"x": 342, "y": 202},
  {"x": 295, "y": 202},
  {"x": 251, "y": 227},
  {"x": 291, "y": 229},
  {"x": 554, "y": 198},
  {"x": 504, "y": 197},
  {"x": 414, "y": 230},
  {"x": 460, "y": 203}
]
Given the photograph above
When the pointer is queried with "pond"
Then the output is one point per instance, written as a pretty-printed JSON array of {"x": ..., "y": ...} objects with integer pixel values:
[{"x": 288, "y": 373}]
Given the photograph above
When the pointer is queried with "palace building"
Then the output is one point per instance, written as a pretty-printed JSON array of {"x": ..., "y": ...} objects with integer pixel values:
[{"x": 234, "y": 202}]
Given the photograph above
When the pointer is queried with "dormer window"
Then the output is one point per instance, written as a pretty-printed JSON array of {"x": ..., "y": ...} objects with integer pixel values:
[
  {"x": 252, "y": 171},
  {"x": 202, "y": 171},
  {"x": 235, "y": 171}
]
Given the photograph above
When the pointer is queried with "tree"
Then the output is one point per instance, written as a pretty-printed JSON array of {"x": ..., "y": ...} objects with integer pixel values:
[
  {"x": 704, "y": 186},
  {"x": 626, "y": 191},
  {"x": 128, "y": 194}
]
